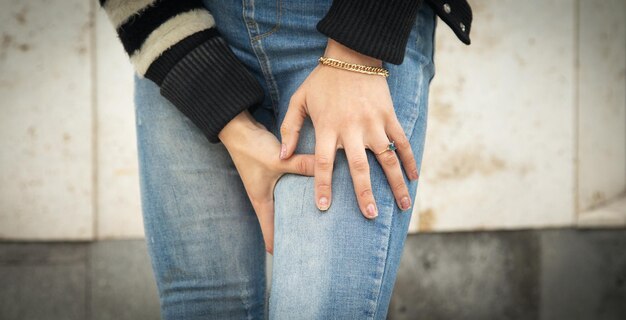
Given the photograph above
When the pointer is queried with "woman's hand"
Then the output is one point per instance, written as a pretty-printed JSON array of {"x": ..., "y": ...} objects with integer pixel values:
[
  {"x": 254, "y": 151},
  {"x": 353, "y": 111}
]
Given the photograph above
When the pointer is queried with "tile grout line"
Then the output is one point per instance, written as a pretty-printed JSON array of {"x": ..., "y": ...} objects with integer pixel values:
[
  {"x": 577, "y": 107},
  {"x": 94, "y": 160},
  {"x": 88, "y": 281},
  {"x": 94, "y": 120}
]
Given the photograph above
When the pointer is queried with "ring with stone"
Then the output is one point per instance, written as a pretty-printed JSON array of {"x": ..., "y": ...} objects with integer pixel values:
[{"x": 390, "y": 147}]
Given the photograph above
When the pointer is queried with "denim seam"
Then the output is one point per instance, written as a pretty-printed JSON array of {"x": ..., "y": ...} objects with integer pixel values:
[
  {"x": 391, "y": 226},
  {"x": 417, "y": 97},
  {"x": 413, "y": 117},
  {"x": 430, "y": 63},
  {"x": 428, "y": 66},
  {"x": 411, "y": 127},
  {"x": 385, "y": 263},
  {"x": 276, "y": 27},
  {"x": 432, "y": 49},
  {"x": 391, "y": 230},
  {"x": 266, "y": 68},
  {"x": 414, "y": 126},
  {"x": 263, "y": 60}
]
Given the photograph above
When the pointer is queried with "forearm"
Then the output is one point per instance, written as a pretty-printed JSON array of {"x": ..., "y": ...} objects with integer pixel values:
[{"x": 242, "y": 126}]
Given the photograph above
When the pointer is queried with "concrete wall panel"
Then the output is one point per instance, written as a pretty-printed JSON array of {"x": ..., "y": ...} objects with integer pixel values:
[
  {"x": 602, "y": 103},
  {"x": 500, "y": 142},
  {"x": 119, "y": 207},
  {"x": 46, "y": 135}
]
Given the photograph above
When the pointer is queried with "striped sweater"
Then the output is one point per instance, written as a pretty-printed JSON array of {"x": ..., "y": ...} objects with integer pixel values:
[{"x": 175, "y": 44}]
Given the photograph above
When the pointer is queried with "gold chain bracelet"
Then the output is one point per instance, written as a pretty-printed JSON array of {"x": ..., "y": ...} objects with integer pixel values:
[{"x": 354, "y": 66}]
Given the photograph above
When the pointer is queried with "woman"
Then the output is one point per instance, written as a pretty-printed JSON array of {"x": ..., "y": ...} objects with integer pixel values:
[{"x": 248, "y": 74}]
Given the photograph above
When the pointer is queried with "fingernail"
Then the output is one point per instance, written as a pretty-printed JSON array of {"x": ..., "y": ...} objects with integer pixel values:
[
  {"x": 283, "y": 151},
  {"x": 414, "y": 175},
  {"x": 323, "y": 203},
  {"x": 405, "y": 203},
  {"x": 371, "y": 211}
]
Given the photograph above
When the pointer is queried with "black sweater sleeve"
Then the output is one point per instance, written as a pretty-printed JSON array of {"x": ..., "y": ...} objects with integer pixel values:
[
  {"x": 175, "y": 44},
  {"x": 376, "y": 28},
  {"x": 381, "y": 28}
]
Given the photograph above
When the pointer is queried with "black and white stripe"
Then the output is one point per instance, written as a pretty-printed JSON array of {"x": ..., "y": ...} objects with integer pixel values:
[
  {"x": 175, "y": 44},
  {"x": 147, "y": 28}
]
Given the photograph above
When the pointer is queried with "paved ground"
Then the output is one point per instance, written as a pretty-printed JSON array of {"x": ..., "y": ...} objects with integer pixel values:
[{"x": 552, "y": 274}]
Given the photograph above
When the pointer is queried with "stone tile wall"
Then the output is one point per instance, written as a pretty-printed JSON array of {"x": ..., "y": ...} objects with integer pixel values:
[{"x": 527, "y": 126}]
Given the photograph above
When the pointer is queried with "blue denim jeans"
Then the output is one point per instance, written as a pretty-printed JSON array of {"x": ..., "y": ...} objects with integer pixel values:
[{"x": 203, "y": 236}]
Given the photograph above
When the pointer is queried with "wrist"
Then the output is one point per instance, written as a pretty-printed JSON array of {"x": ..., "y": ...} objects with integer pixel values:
[
  {"x": 240, "y": 127},
  {"x": 339, "y": 51}
]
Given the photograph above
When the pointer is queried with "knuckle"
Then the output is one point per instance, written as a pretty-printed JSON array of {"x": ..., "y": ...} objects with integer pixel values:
[
  {"x": 284, "y": 128},
  {"x": 365, "y": 193},
  {"x": 323, "y": 162},
  {"x": 352, "y": 119},
  {"x": 398, "y": 187},
  {"x": 322, "y": 187},
  {"x": 359, "y": 164},
  {"x": 293, "y": 98},
  {"x": 301, "y": 166},
  {"x": 389, "y": 159},
  {"x": 409, "y": 164},
  {"x": 402, "y": 143}
]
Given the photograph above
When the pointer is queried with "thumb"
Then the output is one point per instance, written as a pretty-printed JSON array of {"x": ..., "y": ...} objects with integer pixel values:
[
  {"x": 302, "y": 164},
  {"x": 265, "y": 213},
  {"x": 292, "y": 123}
]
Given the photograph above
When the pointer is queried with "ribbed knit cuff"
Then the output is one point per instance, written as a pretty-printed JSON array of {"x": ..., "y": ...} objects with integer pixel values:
[
  {"x": 376, "y": 28},
  {"x": 210, "y": 86}
]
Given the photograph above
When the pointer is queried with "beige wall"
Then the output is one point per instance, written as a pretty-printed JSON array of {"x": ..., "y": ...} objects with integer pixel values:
[{"x": 527, "y": 126}]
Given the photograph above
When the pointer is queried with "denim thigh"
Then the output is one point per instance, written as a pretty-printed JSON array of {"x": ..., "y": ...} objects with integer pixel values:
[
  {"x": 202, "y": 234},
  {"x": 203, "y": 237},
  {"x": 335, "y": 264}
]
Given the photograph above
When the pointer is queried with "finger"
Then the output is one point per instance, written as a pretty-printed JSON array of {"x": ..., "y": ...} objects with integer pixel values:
[
  {"x": 403, "y": 148},
  {"x": 292, "y": 123},
  {"x": 360, "y": 172},
  {"x": 302, "y": 164},
  {"x": 325, "y": 150},
  {"x": 265, "y": 213},
  {"x": 391, "y": 166}
]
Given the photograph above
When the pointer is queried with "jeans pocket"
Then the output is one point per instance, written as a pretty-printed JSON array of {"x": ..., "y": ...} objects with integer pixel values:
[{"x": 262, "y": 17}]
